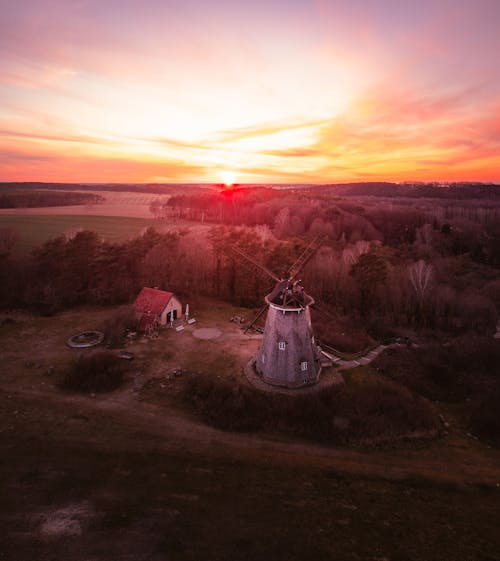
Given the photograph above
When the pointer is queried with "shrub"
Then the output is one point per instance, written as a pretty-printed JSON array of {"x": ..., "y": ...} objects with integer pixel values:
[
  {"x": 465, "y": 367},
  {"x": 117, "y": 325},
  {"x": 226, "y": 404},
  {"x": 101, "y": 371},
  {"x": 373, "y": 411}
]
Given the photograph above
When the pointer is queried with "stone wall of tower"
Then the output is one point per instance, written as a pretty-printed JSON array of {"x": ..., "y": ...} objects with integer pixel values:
[{"x": 288, "y": 356}]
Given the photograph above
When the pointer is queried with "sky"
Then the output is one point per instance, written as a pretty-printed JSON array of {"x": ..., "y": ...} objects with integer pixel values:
[{"x": 281, "y": 91}]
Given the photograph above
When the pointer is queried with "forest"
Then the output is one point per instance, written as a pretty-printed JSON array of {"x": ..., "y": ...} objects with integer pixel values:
[
  {"x": 26, "y": 198},
  {"x": 423, "y": 270},
  {"x": 433, "y": 264}
]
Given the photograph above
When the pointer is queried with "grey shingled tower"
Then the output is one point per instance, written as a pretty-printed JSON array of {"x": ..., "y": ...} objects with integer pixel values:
[{"x": 288, "y": 355}]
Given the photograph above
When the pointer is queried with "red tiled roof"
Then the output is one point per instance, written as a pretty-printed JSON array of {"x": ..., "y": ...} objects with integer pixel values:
[{"x": 150, "y": 303}]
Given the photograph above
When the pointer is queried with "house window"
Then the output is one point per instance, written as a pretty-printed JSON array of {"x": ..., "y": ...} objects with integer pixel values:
[
  {"x": 282, "y": 345},
  {"x": 303, "y": 365}
]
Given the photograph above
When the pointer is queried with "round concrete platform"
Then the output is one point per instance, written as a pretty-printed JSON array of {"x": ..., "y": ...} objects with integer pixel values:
[{"x": 207, "y": 333}]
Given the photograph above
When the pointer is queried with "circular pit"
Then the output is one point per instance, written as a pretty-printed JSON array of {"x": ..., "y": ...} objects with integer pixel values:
[{"x": 85, "y": 339}]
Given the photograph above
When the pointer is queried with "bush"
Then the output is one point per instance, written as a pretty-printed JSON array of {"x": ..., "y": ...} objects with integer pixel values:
[
  {"x": 101, "y": 371},
  {"x": 373, "y": 411},
  {"x": 226, "y": 404},
  {"x": 115, "y": 328},
  {"x": 465, "y": 367}
]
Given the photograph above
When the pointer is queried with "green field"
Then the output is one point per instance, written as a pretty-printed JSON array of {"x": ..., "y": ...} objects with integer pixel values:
[{"x": 33, "y": 230}]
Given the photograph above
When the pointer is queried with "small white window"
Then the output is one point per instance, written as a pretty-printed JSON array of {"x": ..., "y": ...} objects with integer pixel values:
[
  {"x": 282, "y": 345},
  {"x": 263, "y": 358},
  {"x": 303, "y": 365}
]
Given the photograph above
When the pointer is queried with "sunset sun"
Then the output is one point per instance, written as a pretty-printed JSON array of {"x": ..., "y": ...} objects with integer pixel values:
[{"x": 228, "y": 177}]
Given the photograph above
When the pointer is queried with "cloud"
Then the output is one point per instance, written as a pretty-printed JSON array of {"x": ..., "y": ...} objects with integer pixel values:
[
  {"x": 263, "y": 129},
  {"x": 21, "y": 165},
  {"x": 81, "y": 139},
  {"x": 292, "y": 152},
  {"x": 319, "y": 91}
]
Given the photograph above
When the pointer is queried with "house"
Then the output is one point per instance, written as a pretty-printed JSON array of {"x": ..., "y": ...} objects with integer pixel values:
[{"x": 153, "y": 306}]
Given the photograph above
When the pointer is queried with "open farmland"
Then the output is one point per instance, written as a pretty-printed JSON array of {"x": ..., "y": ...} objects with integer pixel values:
[
  {"x": 112, "y": 203},
  {"x": 34, "y": 229}
]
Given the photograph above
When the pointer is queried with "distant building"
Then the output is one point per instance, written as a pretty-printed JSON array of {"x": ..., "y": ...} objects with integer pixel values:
[{"x": 158, "y": 307}]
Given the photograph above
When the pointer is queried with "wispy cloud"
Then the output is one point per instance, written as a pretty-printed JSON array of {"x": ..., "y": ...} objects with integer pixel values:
[{"x": 321, "y": 91}]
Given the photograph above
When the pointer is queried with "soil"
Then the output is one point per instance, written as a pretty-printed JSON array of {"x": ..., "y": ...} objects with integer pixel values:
[{"x": 134, "y": 475}]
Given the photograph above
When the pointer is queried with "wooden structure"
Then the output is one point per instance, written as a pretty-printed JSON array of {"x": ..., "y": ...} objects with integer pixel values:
[
  {"x": 288, "y": 355},
  {"x": 155, "y": 307}
]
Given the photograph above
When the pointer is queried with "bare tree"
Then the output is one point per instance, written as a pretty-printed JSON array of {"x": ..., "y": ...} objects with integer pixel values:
[
  {"x": 351, "y": 254},
  {"x": 420, "y": 274}
]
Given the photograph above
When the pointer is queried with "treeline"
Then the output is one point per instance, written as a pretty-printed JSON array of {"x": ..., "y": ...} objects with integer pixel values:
[
  {"x": 417, "y": 190},
  {"x": 31, "y": 198},
  {"x": 84, "y": 269},
  {"x": 372, "y": 284},
  {"x": 455, "y": 229},
  {"x": 146, "y": 188},
  {"x": 457, "y": 190},
  {"x": 420, "y": 284}
]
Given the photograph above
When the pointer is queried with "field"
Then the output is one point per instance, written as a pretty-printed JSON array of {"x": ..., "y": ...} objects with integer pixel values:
[
  {"x": 134, "y": 475},
  {"x": 120, "y": 216},
  {"x": 34, "y": 229}
]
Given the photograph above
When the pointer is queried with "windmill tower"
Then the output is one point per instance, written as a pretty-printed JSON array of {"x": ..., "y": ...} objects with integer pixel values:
[{"x": 288, "y": 355}]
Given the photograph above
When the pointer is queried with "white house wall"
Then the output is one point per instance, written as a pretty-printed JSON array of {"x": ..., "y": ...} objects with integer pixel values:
[{"x": 173, "y": 304}]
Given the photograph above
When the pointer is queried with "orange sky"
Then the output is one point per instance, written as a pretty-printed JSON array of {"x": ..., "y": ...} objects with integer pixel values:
[{"x": 263, "y": 91}]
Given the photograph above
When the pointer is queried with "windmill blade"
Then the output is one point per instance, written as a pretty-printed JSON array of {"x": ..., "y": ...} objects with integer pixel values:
[
  {"x": 250, "y": 263},
  {"x": 304, "y": 257},
  {"x": 261, "y": 311},
  {"x": 322, "y": 310}
]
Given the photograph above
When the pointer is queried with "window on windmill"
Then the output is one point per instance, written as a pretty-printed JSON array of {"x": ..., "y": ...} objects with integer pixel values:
[
  {"x": 303, "y": 365},
  {"x": 282, "y": 345}
]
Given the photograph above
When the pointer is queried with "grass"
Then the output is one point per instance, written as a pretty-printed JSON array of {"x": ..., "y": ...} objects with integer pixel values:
[{"x": 35, "y": 229}]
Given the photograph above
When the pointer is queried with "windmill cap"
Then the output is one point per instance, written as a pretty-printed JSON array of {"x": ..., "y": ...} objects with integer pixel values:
[{"x": 289, "y": 296}]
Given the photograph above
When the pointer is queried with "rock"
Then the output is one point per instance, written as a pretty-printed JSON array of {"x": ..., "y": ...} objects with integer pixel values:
[{"x": 139, "y": 382}]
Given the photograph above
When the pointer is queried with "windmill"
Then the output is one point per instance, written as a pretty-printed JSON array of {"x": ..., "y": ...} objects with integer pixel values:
[{"x": 288, "y": 355}]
